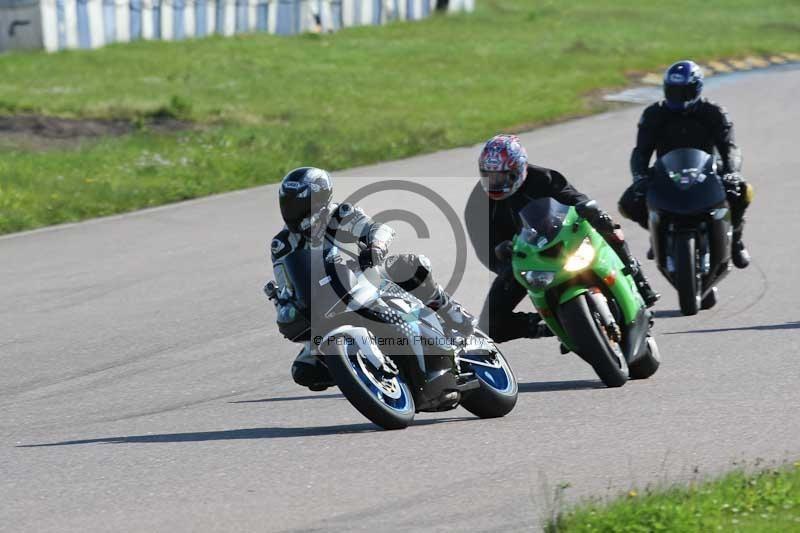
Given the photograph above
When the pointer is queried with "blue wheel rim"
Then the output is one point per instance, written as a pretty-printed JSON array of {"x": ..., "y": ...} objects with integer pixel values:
[
  {"x": 401, "y": 404},
  {"x": 498, "y": 378}
]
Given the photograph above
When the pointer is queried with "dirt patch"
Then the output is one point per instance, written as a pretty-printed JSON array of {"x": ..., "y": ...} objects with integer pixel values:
[{"x": 42, "y": 132}]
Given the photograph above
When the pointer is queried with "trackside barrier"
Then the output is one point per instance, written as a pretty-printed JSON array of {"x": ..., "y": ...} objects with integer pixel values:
[{"x": 60, "y": 24}]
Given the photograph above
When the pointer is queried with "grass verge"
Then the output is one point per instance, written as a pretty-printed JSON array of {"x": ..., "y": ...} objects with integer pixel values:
[
  {"x": 763, "y": 502},
  {"x": 263, "y": 104}
]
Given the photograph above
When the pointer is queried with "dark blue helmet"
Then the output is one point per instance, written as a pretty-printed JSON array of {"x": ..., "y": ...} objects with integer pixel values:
[{"x": 683, "y": 85}]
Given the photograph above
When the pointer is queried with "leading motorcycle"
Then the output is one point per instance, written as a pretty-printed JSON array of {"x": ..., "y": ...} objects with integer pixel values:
[{"x": 388, "y": 353}]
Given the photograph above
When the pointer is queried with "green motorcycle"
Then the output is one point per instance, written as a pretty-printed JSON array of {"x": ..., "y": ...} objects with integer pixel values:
[{"x": 579, "y": 286}]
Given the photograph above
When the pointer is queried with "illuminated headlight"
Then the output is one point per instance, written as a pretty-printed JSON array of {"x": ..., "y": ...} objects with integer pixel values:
[
  {"x": 581, "y": 258},
  {"x": 537, "y": 279}
]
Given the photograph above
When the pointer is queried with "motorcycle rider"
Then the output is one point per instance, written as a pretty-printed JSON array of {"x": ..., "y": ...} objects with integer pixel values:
[
  {"x": 311, "y": 219},
  {"x": 685, "y": 120},
  {"x": 508, "y": 183}
]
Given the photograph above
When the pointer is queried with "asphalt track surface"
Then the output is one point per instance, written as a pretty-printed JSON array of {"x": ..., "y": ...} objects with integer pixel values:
[{"x": 145, "y": 388}]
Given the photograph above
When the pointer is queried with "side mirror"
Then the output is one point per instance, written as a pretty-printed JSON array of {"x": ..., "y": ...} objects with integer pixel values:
[{"x": 504, "y": 251}]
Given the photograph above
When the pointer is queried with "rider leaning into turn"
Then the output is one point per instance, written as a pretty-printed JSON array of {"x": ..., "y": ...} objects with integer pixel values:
[
  {"x": 510, "y": 183},
  {"x": 312, "y": 219},
  {"x": 685, "y": 120}
]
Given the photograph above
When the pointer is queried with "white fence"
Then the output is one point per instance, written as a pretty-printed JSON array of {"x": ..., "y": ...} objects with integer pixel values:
[{"x": 59, "y": 24}]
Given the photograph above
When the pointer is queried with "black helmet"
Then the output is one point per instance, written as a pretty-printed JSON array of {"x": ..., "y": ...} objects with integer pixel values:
[{"x": 305, "y": 197}]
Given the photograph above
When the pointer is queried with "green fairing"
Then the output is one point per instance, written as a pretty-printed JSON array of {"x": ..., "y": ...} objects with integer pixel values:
[{"x": 605, "y": 265}]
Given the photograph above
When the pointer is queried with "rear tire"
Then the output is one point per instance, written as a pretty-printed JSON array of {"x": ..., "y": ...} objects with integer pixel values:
[
  {"x": 591, "y": 343},
  {"x": 361, "y": 396},
  {"x": 710, "y": 299},
  {"x": 489, "y": 401},
  {"x": 686, "y": 275},
  {"x": 646, "y": 365}
]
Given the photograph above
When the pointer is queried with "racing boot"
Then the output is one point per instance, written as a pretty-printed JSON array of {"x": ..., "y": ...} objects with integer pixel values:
[
  {"x": 308, "y": 370},
  {"x": 633, "y": 268},
  {"x": 739, "y": 254},
  {"x": 649, "y": 296},
  {"x": 452, "y": 313}
]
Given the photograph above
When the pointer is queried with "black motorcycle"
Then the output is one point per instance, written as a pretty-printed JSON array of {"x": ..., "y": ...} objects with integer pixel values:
[
  {"x": 388, "y": 353},
  {"x": 690, "y": 226}
]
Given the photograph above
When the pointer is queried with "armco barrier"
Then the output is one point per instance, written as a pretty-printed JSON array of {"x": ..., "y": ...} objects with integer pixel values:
[{"x": 59, "y": 24}]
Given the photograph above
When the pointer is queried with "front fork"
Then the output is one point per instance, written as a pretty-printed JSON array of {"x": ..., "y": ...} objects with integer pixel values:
[
  {"x": 599, "y": 304},
  {"x": 712, "y": 242},
  {"x": 701, "y": 246}
]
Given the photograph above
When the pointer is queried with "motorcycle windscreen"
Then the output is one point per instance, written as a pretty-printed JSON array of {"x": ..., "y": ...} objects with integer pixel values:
[
  {"x": 685, "y": 182},
  {"x": 545, "y": 218}
]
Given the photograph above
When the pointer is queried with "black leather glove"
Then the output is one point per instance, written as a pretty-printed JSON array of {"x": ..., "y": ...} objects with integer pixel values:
[
  {"x": 504, "y": 251},
  {"x": 271, "y": 290},
  {"x": 733, "y": 184},
  {"x": 599, "y": 219},
  {"x": 370, "y": 257}
]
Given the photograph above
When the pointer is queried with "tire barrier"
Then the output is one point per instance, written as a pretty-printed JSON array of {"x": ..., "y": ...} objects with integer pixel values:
[{"x": 61, "y": 24}]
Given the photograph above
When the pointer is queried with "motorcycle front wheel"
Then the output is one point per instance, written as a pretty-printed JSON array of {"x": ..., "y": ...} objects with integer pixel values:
[
  {"x": 686, "y": 279},
  {"x": 584, "y": 327},
  {"x": 385, "y": 400}
]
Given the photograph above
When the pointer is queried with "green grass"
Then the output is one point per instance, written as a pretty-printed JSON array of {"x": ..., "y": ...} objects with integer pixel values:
[
  {"x": 263, "y": 104},
  {"x": 768, "y": 501}
]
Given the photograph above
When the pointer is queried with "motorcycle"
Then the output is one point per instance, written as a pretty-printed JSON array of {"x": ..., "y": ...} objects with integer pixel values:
[
  {"x": 690, "y": 226},
  {"x": 387, "y": 352},
  {"x": 580, "y": 287}
]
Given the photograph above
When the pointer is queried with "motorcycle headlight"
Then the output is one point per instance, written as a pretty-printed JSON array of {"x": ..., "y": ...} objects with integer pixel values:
[
  {"x": 537, "y": 279},
  {"x": 581, "y": 258}
]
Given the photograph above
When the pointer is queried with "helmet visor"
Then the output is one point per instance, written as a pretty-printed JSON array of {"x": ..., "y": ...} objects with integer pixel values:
[
  {"x": 681, "y": 94},
  {"x": 498, "y": 184},
  {"x": 294, "y": 210}
]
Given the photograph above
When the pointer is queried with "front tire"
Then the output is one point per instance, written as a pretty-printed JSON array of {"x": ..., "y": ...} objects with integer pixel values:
[
  {"x": 584, "y": 328},
  {"x": 686, "y": 279},
  {"x": 498, "y": 393},
  {"x": 646, "y": 365},
  {"x": 388, "y": 404}
]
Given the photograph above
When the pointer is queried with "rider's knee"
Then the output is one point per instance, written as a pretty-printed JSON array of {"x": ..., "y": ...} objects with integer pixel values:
[
  {"x": 749, "y": 194},
  {"x": 308, "y": 374},
  {"x": 633, "y": 206}
]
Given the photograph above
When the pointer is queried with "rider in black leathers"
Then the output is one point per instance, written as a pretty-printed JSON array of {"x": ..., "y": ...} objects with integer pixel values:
[
  {"x": 685, "y": 120},
  {"x": 492, "y": 216}
]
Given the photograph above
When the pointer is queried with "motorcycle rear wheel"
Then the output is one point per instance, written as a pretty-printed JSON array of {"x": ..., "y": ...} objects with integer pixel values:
[
  {"x": 647, "y": 365},
  {"x": 710, "y": 299},
  {"x": 497, "y": 395}
]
